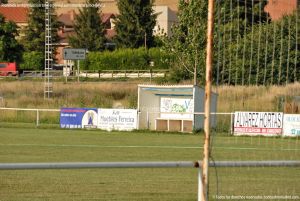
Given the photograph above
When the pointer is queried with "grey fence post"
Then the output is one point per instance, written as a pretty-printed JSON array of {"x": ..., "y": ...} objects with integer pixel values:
[
  {"x": 231, "y": 123},
  {"x": 37, "y": 118},
  {"x": 200, "y": 185},
  {"x": 148, "y": 120}
]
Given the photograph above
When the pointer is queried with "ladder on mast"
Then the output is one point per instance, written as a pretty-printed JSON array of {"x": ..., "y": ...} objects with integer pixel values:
[{"x": 48, "y": 85}]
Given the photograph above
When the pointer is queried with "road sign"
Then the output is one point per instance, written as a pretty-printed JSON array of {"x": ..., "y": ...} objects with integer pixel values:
[{"x": 74, "y": 54}]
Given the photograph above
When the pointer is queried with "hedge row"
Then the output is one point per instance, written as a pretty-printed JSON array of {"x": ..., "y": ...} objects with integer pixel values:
[{"x": 127, "y": 59}]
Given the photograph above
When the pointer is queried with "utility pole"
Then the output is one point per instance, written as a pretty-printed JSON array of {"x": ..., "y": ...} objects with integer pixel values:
[
  {"x": 209, "y": 61},
  {"x": 48, "y": 86}
]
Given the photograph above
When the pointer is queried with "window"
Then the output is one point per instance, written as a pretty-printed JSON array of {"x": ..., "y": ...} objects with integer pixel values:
[{"x": 3, "y": 65}]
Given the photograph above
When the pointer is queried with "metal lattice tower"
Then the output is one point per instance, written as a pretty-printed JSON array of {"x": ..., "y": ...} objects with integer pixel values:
[{"x": 48, "y": 85}]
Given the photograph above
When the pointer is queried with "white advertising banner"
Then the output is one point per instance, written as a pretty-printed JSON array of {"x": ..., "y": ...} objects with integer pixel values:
[
  {"x": 258, "y": 123},
  {"x": 117, "y": 119},
  {"x": 176, "y": 105},
  {"x": 291, "y": 125}
]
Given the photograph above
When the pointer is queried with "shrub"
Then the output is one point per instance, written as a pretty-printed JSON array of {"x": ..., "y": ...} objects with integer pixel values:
[
  {"x": 32, "y": 60},
  {"x": 127, "y": 59}
]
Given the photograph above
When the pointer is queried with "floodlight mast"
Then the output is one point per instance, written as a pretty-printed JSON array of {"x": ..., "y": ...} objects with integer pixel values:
[{"x": 48, "y": 87}]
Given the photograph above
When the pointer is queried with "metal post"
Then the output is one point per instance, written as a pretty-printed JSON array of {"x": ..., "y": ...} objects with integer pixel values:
[
  {"x": 209, "y": 59},
  {"x": 66, "y": 76},
  {"x": 200, "y": 185},
  {"x": 231, "y": 123},
  {"x": 37, "y": 118},
  {"x": 77, "y": 70},
  {"x": 147, "y": 120}
]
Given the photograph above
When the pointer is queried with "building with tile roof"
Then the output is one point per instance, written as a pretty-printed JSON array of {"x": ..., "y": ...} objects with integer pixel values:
[{"x": 19, "y": 15}]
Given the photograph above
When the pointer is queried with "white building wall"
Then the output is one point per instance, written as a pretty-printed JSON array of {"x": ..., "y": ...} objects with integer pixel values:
[
  {"x": 147, "y": 103},
  {"x": 165, "y": 20}
]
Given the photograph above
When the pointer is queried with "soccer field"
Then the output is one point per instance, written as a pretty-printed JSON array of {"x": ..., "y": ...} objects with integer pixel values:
[{"x": 54, "y": 145}]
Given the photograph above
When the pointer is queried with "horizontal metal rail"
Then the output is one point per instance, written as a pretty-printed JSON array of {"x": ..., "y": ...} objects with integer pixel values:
[
  {"x": 255, "y": 164},
  {"x": 81, "y": 165},
  {"x": 57, "y": 110},
  {"x": 30, "y": 109},
  {"x": 170, "y": 164},
  {"x": 98, "y": 73}
]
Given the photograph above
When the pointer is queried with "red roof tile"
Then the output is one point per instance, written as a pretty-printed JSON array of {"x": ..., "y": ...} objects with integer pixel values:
[
  {"x": 15, "y": 14},
  {"x": 105, "y": 17},
  {"x": 69, "y": 17}
]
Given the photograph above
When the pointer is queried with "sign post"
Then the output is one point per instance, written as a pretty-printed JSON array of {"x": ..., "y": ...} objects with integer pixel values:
[
  {"x": 78, "y": 70},
  {"x": 75, "y": 54}
]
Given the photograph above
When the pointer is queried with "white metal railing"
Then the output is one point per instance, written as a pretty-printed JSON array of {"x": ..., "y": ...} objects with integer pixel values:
[
  {"x": 89, "y": 165},
  {"x": 79, "y": 165},
  {"x": 169, "y": 164},
  {"x": 155, "y": 164},
  {"x": 99, "y": 73},
  {"x": 32, "y": 109},
  {"x": 37, "y": 111}
]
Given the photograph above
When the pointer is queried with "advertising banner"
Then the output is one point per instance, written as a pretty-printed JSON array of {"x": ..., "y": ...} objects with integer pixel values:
[
  {"x": 176, "y": 105},
  {"x": 258, "y": 123},
  {"x": 291, "y": 125},
  {"x": 117, "y": 119},
  {"x": 78, "y": 118}
]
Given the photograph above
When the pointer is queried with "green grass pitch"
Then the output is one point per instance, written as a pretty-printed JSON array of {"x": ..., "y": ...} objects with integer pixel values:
[{"x": 55, "y": 145}]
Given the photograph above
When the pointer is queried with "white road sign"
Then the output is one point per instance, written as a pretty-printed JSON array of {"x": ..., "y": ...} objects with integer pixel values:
[{"x": 74, "y": 54}]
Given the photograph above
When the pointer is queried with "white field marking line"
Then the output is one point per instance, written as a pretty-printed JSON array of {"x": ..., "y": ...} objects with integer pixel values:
[{"x": 137, "y": 146}]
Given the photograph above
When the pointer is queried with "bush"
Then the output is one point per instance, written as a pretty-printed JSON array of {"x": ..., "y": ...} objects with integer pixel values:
[
  {"x": 127, "y": 59},
  {"x": 32, "y": 61}
]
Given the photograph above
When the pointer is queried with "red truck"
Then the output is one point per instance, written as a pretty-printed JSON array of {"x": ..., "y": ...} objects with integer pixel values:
[{"x": 8, "y": 69}]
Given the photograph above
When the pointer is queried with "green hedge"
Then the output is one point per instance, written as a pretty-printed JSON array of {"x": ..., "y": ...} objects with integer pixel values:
[{"x": 127, "y": 59}]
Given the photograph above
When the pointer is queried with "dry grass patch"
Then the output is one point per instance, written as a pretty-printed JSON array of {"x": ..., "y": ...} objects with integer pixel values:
[{"x": 29, "y": 94}]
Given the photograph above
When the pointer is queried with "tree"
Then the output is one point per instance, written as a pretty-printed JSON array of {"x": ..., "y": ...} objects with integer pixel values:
[
  {"x": 32, "y": 60},
  {"x": 89, "y": 29},
  {"x": 3, "y": 2},
  {"x": 135, "y": 23},
  {"x": 275, "y": 53},
  {"x": 235, "y": 20},
  {"x": 10, "y": 49},
  {"x": 34, "y": 33},
  {"x": 188, "y": 41}
]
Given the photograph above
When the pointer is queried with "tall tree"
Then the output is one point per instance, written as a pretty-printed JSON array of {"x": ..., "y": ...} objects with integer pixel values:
[
  {"x": 10, "y": 49},
  {"x": 275, "y": 53},
  {"x": 235, "y": 22},
  {"x": 188, "y": 41},
  {"x": 89, "y": 29},
  {"x": 135, "y": 23},
  {"x": 34, "y": 34}
]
